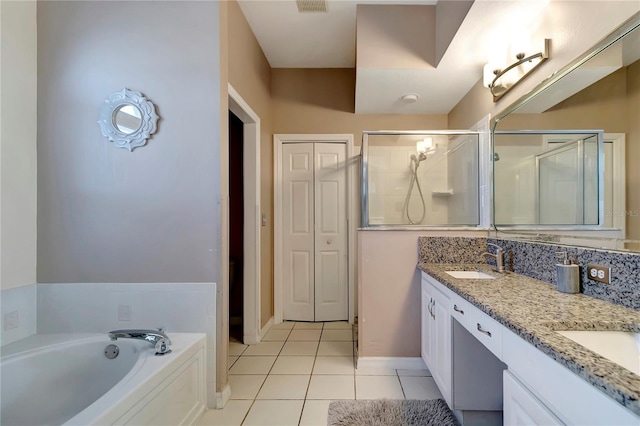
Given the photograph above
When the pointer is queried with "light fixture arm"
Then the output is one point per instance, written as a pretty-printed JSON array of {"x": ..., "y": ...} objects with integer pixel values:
[{"x": 521, "y": 60}]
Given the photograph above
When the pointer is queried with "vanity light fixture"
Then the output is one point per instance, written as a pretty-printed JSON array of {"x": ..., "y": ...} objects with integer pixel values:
[{"x": 500, "y": 80}]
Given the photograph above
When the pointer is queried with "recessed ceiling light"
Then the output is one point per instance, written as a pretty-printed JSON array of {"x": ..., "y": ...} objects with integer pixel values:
[{"x": 411, "y": 98}]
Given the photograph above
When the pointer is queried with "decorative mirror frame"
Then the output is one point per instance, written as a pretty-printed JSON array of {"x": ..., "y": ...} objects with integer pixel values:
[{"x": 139, "y": 136}]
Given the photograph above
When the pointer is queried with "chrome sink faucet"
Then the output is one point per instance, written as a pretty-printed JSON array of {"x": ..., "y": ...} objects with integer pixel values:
[
  {"x": 157, "y": 338},
  {"x": 499, "y": 256}
]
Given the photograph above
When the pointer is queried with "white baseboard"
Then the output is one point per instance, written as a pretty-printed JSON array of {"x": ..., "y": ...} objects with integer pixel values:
[
  {"x": 398, "y": 363},
  {"x": 266, "y": 328},
  {"x": 223, "y": 397}
]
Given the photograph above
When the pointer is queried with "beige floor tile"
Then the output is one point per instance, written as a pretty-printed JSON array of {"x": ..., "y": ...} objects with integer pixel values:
[
  {"x": 264, "y": 348},
  {"x": 304, "y": 335},
  {"x": 335, "y": 349},
  {"x": 337, "y": 335},
  {"x": 334, "y": 365},
  {"x": 375, "y": 371},
  {"x": 274, "y": 413},
  {"x": 315, "y": 412},
  {"x": 232, "y": 360},
  {"x": 337, "y": 325},
  {"x": 253, "y": 365},
  {"x": 308, "y": 326},
  {"x": 293, "y": 365},
  {"x": 245, "y": 386},
  {"x": 236, "y": 348},
  {"x": 231, "y": 415},
  {"x": 276, "y": 335},
  {"x": 299, "y": 348},
  {"x": 289, "y": 386},
  {"x": 378, "y": 387},
  {"x": 331, "y": 387},
  {"x": 420, "y": 388},
  {"x": 414, "y": 373},
  {"x": 287, "y": 325}
]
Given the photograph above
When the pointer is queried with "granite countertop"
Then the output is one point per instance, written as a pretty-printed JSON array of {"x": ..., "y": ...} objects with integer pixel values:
[{"x": 534, "y": 309}]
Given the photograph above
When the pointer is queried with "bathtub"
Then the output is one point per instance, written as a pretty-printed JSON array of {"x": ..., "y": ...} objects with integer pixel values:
[{"x": 67, "y": 379}]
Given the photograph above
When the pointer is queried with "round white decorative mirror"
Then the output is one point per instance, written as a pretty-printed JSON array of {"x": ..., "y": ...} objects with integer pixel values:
[{"x": 128, "y": 119}]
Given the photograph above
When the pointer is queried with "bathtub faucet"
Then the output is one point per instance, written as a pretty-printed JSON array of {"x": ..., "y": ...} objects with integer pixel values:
[{"x": 156, "y": 337}]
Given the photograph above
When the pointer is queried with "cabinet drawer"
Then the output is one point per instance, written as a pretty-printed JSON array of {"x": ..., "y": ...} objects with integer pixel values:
[
  {"x": 460, "y": 310},
  {"x": 487, "y": 330},
  {"x": 522, "y": 408}
]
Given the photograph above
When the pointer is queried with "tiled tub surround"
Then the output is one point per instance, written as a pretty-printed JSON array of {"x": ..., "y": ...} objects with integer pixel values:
[
  {"x": 533, "y": 310},
  {"x": 538, "y": 260}
]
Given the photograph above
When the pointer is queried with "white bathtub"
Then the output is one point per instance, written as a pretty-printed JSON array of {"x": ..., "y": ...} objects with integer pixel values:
[{"x": 66, "y": 379}]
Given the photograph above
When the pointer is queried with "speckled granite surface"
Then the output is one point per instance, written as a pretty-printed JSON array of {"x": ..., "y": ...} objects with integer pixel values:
[
  {"x": 533, "y": 309},
  {"x": 451, "y": 249},
  {"x": 538, "y": 260}
]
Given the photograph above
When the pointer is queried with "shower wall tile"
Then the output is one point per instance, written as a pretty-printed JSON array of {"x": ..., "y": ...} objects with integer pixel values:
[{"x": 18, "y": 311}]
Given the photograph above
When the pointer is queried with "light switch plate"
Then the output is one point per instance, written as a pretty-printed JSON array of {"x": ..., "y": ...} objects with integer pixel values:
[{"x": 599, "y": 273}]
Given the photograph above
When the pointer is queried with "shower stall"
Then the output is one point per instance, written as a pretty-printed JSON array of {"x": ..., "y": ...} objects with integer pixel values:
[{"x": 420, "y": 178}]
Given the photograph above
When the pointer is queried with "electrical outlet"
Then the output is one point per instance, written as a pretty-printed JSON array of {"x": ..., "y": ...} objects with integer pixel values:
[
  {"x": 124, "y": 312},
  {"x": 11, "y": 320},
  {"x": 599, "y": 273}
]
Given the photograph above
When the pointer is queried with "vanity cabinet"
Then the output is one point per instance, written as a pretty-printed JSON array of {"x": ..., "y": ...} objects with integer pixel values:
[
  {"x": 436, "y": 336},
  {"x": 472, "y": 356}
]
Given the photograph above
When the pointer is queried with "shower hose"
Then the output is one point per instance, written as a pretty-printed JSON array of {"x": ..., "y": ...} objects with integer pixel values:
[{"x": 415, "y": 163}]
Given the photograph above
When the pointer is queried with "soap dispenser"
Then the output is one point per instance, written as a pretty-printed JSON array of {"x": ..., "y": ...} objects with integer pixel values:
[{"x": 567, "y": 275}]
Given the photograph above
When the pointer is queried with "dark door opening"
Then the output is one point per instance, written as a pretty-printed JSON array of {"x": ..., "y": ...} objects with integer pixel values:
[{"x": 236, "y": 227}]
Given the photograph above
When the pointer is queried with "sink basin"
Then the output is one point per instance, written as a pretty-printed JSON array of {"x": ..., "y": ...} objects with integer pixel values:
[
  {"x": 476, "y": 275},
  {"x": 621, "y": 347}
]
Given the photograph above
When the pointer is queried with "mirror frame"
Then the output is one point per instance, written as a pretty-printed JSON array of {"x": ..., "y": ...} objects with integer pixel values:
[
  {"x": 627, "y": 27},
  {"x": 148, "y": 125}
]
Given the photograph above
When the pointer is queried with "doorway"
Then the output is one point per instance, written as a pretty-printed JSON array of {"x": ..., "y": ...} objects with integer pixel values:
[
  {"x": 247, "y": 270},
  {"x": 313, "y": 236},
  {"x": 236, "y": 227}
]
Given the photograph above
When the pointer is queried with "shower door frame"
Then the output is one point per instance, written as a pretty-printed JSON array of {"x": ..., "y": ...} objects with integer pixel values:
[{"x": 364, "y": 172}]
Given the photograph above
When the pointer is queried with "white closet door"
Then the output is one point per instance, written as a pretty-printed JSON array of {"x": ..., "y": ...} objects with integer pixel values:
[
  {"x": 330, "y": 232},
  {"x": 298, "y": 232}
]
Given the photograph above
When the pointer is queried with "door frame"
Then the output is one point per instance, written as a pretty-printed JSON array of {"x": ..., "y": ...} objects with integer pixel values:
[
  {"x": 352, "y": 214},
  {"x": 251, "y": 188}
]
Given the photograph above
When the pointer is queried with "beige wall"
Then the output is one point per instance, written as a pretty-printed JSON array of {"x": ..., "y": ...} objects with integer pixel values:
[
  {"x": 18, "y": 143},
  {"x": 389, "y": 291},
  {"x": 633, "y": 151},
  {"x": 323, "y": 101},
  {"x": 250, "y": 75}
]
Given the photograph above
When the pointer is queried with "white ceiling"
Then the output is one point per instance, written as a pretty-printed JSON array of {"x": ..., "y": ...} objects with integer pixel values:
[{"x": 291, "y": 39}]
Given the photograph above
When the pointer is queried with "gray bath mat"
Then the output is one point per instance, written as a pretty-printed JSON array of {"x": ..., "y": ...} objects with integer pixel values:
[{"x": 390, "y": 412}]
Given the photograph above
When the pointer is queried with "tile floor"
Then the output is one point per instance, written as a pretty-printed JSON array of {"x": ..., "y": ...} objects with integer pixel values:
[{"x": 298, "y": 369}]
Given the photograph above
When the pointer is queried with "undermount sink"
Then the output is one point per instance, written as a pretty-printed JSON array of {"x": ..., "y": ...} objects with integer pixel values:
[
  {"x": 476, "y": 275},
  {"x": 621, "y": 347}
]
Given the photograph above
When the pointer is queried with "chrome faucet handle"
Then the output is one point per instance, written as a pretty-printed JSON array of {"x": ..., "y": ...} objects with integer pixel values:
[
  {"x": 162, "y": 347},
  {"x": 496, "y": 246}
]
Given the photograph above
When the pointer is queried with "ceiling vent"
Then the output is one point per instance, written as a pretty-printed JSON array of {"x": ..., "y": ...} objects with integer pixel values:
[{"x": 312, "y": 6}]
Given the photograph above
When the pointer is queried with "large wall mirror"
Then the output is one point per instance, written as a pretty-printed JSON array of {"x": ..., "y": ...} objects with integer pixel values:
[{"x": 567, "y": 155}]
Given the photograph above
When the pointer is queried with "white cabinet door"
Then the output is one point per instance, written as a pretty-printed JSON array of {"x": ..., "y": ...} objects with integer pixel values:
[
  {"x": 442, "y": 344},
  {"x": 426, "y": 333},
  {"x": 521, "y": 407}
]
